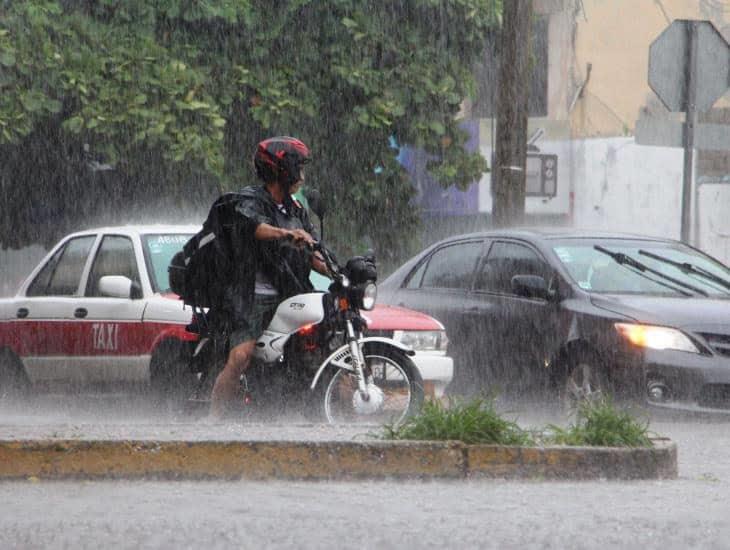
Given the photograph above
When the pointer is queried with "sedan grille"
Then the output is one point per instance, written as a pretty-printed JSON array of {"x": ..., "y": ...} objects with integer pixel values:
[
  {"x": 720, "y": 343},
  {"x": 381, "y": 333}
]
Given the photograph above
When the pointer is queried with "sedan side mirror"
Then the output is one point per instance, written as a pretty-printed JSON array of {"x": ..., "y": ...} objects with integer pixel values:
[
  {"x": 118, "y": 286},
  {"x": 530, "y": 286}
]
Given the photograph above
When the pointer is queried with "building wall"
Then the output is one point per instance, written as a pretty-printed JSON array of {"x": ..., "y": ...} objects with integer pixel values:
[
  {"x": 597, "y": 89},
  {"x": 614, "y": 37},
  {"x": 628, "y": 187}
]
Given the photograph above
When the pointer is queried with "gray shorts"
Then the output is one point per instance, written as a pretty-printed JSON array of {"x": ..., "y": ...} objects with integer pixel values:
[{"x": 252, "y": 325}]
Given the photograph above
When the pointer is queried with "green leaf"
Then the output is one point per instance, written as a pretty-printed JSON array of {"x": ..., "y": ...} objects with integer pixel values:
[
  {"x": 74, "y": 124},
  {"x": 53, "y": 106},
  {"x": 7, "y": 58},
  {"x": 437, "y": 127}
]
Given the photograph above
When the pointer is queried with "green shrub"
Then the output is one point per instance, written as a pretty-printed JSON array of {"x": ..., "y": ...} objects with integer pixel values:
[
  {"x": 471, "y": 422},
  {"x": 600, "y": 423}
]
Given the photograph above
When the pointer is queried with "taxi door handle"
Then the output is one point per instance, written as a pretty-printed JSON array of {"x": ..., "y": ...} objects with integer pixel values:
[
  {"x": 22, "y": 313},
  {"x": 80, "y": 312}
]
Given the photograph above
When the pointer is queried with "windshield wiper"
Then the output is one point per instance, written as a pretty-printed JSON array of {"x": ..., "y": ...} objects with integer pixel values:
[
  {"x": 686, "y": 267},
  {"x": 624, "y": 259}
]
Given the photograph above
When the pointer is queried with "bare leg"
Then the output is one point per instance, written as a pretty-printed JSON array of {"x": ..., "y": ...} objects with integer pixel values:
[{"x": 226, "y": 385}]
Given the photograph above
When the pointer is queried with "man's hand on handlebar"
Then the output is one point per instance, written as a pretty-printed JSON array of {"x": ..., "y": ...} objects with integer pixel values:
[{"x": 300, "y": 237}]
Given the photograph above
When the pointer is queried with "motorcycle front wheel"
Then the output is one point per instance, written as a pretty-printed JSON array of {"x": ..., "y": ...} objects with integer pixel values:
[{"x": 395, "y": 389}]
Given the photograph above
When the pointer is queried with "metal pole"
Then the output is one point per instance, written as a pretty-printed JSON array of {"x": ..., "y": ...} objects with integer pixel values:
[{"x": 689, "y": 127}]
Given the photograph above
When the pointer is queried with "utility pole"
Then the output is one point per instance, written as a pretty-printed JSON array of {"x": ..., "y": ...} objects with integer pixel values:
[{"x": 510, "y": 155}]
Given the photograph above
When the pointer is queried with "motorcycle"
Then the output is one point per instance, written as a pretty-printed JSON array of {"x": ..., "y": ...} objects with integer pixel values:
[{"x": 314, "y": 358}]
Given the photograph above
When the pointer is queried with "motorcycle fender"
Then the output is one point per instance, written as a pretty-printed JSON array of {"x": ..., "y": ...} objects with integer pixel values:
[{"x": 338, "y": 358}]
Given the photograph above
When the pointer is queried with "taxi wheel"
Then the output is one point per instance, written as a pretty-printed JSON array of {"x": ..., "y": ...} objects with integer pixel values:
[
  {"x": 171, "y": 380},
  {"x": 14, "y": 383}
]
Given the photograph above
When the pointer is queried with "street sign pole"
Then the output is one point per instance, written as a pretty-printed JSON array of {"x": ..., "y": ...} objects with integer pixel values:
[
  {"x": 689, "y": 68},
  {"x": 689, "y": 126}
]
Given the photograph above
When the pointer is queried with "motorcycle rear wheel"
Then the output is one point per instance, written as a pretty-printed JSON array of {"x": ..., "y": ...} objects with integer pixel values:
[{"x": 396, "y": 389}]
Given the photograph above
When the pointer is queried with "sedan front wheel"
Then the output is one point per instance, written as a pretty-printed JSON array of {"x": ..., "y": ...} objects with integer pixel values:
[{"x": 586, "y": 381}]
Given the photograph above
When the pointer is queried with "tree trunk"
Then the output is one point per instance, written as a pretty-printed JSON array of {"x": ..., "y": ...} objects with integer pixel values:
[{"x": 508, "y": 171}]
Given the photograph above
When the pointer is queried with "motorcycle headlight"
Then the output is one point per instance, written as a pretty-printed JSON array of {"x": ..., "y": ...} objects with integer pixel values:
[
  {"x": 369, "y": 295},
  {"x": 653, "y": 337},
  {"x": 422, "y": 340}
]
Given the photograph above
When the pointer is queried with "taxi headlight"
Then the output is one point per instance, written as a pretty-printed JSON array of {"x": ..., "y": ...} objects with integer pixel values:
[
  {"x": 369, "y": 295},
  {"x": 653, "y": 337},
  {"x": 422, "y": 340}
]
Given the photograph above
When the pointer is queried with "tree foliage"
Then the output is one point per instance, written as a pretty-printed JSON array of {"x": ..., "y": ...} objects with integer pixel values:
[{"x": 108, "y": 107}]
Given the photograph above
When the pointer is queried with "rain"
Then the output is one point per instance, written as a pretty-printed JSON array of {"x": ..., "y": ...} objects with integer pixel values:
[{"x": 543, "y": 185}]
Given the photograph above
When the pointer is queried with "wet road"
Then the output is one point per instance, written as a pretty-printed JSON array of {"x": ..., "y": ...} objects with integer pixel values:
[{"x": 690, "y": 512}]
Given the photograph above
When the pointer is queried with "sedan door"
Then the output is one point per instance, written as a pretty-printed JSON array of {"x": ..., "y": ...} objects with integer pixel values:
[
  {"x": 108, "y": 331},
  {"x": 518, "y": 332},
  {"x": 44, "y": 315},
  {"x": 438, "y": 286}
]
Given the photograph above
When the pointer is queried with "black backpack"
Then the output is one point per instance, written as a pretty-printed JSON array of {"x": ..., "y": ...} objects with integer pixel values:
[{"x": 201, "y": 271}]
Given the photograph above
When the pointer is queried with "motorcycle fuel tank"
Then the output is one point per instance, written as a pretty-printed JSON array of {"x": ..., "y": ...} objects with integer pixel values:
[
  {"x": 297, "y": 311},
  {"x": 291, "y": 315}
]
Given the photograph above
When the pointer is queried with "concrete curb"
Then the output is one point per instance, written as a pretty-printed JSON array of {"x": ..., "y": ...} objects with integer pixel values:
[
  {"x": 130, "y": 459},
  {"x": 658, "y": 462}
]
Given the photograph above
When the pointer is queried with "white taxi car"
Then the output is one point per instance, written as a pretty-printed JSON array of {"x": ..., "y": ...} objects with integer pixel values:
[{"x": 97, "y": 311}]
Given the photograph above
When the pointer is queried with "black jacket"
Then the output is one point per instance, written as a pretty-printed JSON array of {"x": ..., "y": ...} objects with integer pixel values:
[{"x": 286, "y": 266}]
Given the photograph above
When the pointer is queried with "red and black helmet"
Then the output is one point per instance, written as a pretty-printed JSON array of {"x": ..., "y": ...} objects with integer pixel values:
[{"x": 281, "y": 159}]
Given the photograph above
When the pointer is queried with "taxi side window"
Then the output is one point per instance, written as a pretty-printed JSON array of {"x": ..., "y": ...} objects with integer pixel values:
[
  {"x": 115, "y": 257},
  {"x": 452, "y": 266},
  {"x": 62, "y": 273},
  {"x": 504, "y": 261}
]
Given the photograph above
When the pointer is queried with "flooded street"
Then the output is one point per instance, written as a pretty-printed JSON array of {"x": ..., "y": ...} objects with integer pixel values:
[{"x": 689, "y": 512}]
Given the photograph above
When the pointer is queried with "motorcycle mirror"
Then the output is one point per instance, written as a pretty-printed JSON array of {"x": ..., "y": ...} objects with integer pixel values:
[{"x": 314, "y": 198}]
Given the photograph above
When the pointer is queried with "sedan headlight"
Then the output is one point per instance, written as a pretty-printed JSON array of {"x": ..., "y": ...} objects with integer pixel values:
[
  {"x": 422, "y": 340},
  {"x": 369, "y": 295},
  {"x": 653, "y": 337}
]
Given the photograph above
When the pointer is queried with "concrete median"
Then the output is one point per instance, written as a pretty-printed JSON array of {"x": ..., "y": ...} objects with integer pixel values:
[{"x": 323, "y": 460}]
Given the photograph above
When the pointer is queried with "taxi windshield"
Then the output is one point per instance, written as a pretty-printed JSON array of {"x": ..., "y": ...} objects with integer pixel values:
[
  {"x": 158, "y": 251},
  {"x": 643, "y": 267}
]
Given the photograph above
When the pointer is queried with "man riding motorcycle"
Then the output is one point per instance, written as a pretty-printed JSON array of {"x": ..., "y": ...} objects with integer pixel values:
[{"x": 267, "y": 272}]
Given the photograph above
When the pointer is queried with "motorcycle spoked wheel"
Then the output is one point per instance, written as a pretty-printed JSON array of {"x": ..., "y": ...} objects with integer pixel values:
[{"x": 395, "y": 383}]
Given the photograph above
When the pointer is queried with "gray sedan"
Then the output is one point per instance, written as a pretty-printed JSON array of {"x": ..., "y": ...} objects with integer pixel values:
[{"x": 581, "y": 312}]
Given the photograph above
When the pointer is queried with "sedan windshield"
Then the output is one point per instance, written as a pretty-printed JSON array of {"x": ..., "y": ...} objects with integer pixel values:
[
  {"x": 158, "y": 251},
  {"x": 647, "y": 267}
]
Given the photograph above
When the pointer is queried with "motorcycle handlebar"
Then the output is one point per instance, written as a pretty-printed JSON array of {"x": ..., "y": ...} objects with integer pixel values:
[{"x": 329, "y": 258}]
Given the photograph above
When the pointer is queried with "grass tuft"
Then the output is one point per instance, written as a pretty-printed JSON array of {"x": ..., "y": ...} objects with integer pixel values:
[
  {"x": 471, "y": 422},
  {"x": 600, "y": 423}
]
